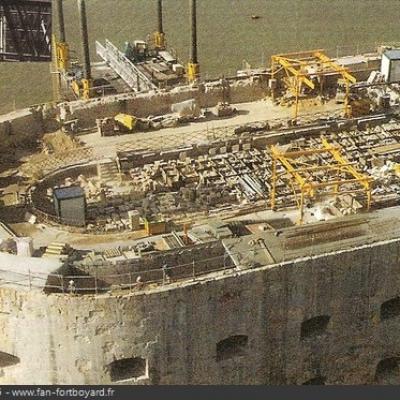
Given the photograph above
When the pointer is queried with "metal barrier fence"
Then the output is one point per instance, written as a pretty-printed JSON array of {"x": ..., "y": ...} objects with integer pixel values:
[
  {"x": 98, "y": 283},
  {"x": 86, "y": 284}
]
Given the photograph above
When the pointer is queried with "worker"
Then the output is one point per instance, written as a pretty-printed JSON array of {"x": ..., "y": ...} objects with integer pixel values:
[
  {"x": 139, "y": 282},
  {"x": 74, "y": 127},
  {"x": 71, "y": 287},
  {"x": 166, "y": 273}
]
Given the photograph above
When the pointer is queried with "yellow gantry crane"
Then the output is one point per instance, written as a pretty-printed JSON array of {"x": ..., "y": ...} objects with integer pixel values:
[
  {"x": 301, "y": 69},
  {"x": 336, "y": 173}
]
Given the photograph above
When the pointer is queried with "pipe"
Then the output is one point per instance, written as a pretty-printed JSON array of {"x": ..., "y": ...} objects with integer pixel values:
[
  {"x": 193, "y": 14},
  {"x": 85, "y": 40},
  {"x": 61, "y": 20},
  {"x": 160, "y": 16}
]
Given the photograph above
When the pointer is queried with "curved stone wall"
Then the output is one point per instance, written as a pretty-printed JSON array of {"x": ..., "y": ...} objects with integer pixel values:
[{"x": 249, "y": 327}]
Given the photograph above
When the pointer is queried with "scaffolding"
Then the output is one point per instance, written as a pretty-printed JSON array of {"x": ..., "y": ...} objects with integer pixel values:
[
  {"x": 303, "y": 69},
  {"x": 317, "y": 171},
  {"x": 25, "y": 30}
]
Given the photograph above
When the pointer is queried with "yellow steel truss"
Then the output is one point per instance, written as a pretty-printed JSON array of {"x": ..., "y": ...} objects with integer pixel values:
[
  {"x": 297, "y": 67},
  {"x": 303, "y": 179}
]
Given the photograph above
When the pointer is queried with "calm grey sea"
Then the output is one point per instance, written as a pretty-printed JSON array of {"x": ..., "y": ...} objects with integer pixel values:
[{"x": 227, "y": 33}]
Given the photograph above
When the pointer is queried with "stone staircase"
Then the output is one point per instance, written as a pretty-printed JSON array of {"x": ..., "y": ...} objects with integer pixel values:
[
  {"x": 56, "y": 249},
  {"x": 108, "y": 171}
]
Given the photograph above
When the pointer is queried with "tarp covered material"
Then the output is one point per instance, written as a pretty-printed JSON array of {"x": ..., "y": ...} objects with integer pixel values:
[
  {"x": 186, "y": 108},
  {"x": 128, "y": 121}
]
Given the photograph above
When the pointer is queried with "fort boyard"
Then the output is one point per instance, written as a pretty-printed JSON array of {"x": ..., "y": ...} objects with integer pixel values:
[{"x": 161, "y": 228}]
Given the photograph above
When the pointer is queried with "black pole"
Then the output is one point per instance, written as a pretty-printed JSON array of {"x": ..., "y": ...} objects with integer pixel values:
[
  {"x": 85, "y": 40},
  {"x": 61, "y": 20},
  {"x": 193, "y": 54},
  {"x": 160, "y": 16}
]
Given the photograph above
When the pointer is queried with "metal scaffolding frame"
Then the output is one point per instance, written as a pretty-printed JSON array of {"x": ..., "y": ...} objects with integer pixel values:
[
  {"x": 25, "y": 30},
  {"x": 302, "y": 175},
  {"x": 300, "y": 67},
  {"x": 125, "y": 68}
]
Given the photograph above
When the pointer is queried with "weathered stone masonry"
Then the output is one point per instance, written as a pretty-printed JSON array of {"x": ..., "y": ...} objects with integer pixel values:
[{"x": 252, "y": 327}]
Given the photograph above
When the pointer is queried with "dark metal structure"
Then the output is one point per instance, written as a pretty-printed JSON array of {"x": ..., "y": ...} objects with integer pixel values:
[
  {"x": 70, "y": 205},
  {"x": 193, "y": 68},
  {"x": 193, "y": 16},
  {"x": 25, "y": 30},
  {"x": 160, "y": 16},
  {"x": 87, "y": 71},
  {"x": 61, "y": 24}
]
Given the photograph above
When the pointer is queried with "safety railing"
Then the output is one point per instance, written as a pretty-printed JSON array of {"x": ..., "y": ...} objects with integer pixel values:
[
  {"x": 97, "y": 282},
  {"x": 257, "y": 254}
]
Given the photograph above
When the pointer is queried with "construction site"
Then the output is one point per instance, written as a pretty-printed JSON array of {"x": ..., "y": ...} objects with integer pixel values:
[{"x": 157, "y": 227}]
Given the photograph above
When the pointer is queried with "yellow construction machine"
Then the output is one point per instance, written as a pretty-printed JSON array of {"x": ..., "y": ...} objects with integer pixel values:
[
  {"x": 125, "y": 122},
  {"x": 307, "y": 73}
]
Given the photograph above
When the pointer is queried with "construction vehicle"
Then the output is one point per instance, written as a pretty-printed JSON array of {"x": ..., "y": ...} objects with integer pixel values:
[{"x": 137, "y": 52}]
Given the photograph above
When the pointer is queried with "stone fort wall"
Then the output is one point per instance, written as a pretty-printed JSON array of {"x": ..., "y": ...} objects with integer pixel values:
[{"x": 332, "y": 318}]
